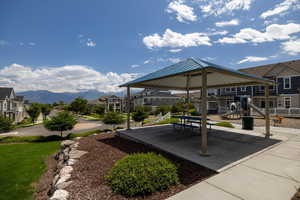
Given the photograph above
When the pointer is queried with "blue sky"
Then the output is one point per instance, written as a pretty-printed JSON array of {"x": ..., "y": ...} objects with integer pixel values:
[{"x": 64, "y": 45}]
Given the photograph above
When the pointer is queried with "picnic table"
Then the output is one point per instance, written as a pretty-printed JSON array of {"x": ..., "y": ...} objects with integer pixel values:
[{"x": 187, "y": 122}]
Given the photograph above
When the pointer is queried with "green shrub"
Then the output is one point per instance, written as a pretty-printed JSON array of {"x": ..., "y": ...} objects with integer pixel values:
[
  {"x": 225, "y": 124},
  {"x": 141, "y": 174},
  {"x": 5, "y": 124},
  {"x": 113, "y": 118},
  {"x": 193, "y": 112}
]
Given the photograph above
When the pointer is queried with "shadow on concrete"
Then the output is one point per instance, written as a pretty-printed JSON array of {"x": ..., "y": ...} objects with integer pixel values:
[{"x": 225, "y": 148}]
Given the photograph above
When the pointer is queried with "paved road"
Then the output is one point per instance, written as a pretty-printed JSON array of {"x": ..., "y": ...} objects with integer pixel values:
[{"x": 39, "y": 130}]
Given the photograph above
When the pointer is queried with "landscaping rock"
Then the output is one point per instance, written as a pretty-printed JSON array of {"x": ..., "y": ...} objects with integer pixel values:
[
  {"x": 63, "y": 185},
  {"x": 60, "y": 195},
  {"x": 77, "y": 138},
  {"x": 63, "y": 179},
  {"x": 75, "y": 154},
  {"x": 66, "y": 170},
  {"x": 55, "y": 179},
  {"x": 67, "y": 143},
  {"x": 71, "y": 162}
]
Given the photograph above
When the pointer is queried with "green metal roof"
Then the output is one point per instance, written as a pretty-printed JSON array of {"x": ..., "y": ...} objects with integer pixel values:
[{"x": 185, "y": 66}]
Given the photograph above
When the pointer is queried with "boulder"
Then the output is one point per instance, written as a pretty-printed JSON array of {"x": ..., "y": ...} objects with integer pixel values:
[
  {"x": 60, "y": 195},
  {"x": 56, "y": 177},
  {"x": 71, "y": 162},
  {"x": 63, "y": 179},
  {"x": 66, "y": 170},
  {"x": 75, "y": 154},
  {"x": 63, "y": 185},
  {"x": 66, "y": 143}
]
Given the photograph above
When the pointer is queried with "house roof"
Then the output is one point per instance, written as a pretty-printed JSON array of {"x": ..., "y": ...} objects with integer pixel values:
[
  {"x": 175, "y": 76},
  {"x": 289, "y": 68},
  {"x": 5, "y": 92}
]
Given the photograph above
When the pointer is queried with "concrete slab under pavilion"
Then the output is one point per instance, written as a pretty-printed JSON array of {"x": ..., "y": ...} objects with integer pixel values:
[{"x": 226, "y": 148}]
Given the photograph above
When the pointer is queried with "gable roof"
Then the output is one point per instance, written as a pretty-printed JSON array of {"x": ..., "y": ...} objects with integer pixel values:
[
  {"x": 174, "y": 76},
  {"x": 5, "y": 92},
  {"x": 272, "y": 70}
]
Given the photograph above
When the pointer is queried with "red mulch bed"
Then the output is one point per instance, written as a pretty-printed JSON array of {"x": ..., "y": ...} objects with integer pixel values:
[{"x": 104, "y": 150}]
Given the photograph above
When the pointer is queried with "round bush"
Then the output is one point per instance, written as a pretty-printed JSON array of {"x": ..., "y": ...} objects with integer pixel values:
[{"x": 141, "y": 174}]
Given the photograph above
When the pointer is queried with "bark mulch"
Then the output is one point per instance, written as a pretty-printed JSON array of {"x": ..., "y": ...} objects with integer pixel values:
[{"x": 104, "y": 150}]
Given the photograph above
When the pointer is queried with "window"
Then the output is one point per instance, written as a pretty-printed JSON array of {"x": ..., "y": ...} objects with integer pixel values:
[
  {"x": 243, "y": 89},
  {"x": 287, "y": 83},
  {"x": 227, "y": 89},
  {"x": 287, "y": 102},
  {"x": 233, "y": 89},
  {"x": 262, "y": 88}
]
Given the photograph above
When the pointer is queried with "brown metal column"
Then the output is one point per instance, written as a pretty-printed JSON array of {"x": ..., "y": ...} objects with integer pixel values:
[
  {"x": 128, "y": 108},
  {"x": 204, "y": 112},
  {"x": 267, "y": 106}
]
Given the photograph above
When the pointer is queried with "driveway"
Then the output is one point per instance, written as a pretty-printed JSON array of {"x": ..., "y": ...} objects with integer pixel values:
[{"x": 39, "y": 130}]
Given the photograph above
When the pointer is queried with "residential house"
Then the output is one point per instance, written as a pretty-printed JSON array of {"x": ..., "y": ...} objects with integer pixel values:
[
  {"x": 111, "y": 103},
  {"x": 284, "y": 95},
  {"x": 11, "y": 106},
  {"x": 154, "y": 98}
]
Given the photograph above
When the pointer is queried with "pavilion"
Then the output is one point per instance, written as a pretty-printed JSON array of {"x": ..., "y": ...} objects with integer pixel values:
[{"x": 196, "y": 74}]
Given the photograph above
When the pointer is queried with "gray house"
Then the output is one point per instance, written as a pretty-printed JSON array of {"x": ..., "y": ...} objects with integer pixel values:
[
  {"x": 284, "y": 95},
  {"x": 11, "y": 106}
]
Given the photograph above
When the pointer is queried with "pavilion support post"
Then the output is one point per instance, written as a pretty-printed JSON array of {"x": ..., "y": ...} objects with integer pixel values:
[
  {"x": 188, "y": 98},
  {"x": 267, "y": 110},
  {"x": 204, "y": 113},
  {"x": 128, "y": 108}
]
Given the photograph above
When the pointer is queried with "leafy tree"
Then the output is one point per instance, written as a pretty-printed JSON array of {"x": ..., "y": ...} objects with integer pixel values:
[
  {"x": 99, "y": 109},
  {"x": 63, "y": 121},
  {"x": 34, "y": 111},
  {"x": 164, "y": 109},
  {"x": 140, "y": 116},
  {"x": 79, "y": 105},
  {"x": 178, "y": 107},
  {"x": 113, "y": 118},
  {"x": 5, "y": 124},
  {"x": 46, "y": 109}
]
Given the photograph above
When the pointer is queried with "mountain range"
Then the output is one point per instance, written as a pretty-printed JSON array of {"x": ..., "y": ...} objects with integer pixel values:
[{"x": 45, "y": 96}]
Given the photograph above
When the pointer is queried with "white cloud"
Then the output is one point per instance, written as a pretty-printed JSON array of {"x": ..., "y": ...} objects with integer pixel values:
[
  {"x": 147, "y": 61},
  {"x": 90, "y": 43},
  {"x": 219, "y": 7},
  {"x": 183, "y": 12},
  {"x": 176, "y": 40},
  {"x": 174, "y": 60},
  {"x": 134, "y": 66},
  {"x": 175, "y": 50},
  {"x": 3, "y": 43},
  {"x": 252, "y": 59},
  {"x": 273, "y": 32},
  {"x": 31, "y": 44},
  {"x": 233, "y": 22},
  {"x": 69, "y": 78},
  {"x": 281, "y": 8},
  {"x": 291, "y": 47}
]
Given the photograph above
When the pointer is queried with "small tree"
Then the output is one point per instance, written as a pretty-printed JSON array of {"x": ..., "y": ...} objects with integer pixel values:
[
  {"x": 79, "y": 105},
  {"x": 139, "y": 116},
  {"x": 5, "y": 124},
  {"x": 34, "y": 111},
  {"x": 113, "y": 118},
  {"x": 46, "y": 109},
  {"x": 99, "y": 109},
  {"x": 178, "y": 107},
  {"x": 63, "y": 121},
  {"x": 164, "y": 109}
]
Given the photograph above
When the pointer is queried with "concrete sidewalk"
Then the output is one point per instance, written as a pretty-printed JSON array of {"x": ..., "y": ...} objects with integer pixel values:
[{"x": 271, "y": 175}]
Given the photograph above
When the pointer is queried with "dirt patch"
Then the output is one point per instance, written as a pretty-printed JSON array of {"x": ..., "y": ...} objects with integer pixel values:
[
  {"x": 104, "y": 150},
  {"x": 44, "y": 184},
  {"x": 259, "y": 121}
]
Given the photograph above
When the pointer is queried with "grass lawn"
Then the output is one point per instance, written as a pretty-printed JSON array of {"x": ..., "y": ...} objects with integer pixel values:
[{"x": 21, "y": 165}]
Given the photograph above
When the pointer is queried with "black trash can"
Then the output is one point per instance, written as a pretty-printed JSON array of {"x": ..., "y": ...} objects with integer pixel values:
[{"x": 248, "y": 123}]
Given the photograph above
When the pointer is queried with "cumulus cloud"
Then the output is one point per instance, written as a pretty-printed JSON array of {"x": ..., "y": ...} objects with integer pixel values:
[
  {"x": 252, "y": 59},
  {"x": 69, "y": 78},
  {"x": 219, "y": 7},
  {"x": 233, "y": 22},
  {"x": 291, "y": 47},
  {"x": 176, "y": 40},
  {"x": 281, "y": 8},
  {"x": 273, "y": 32},
  {"x": 183, "y": 12},
  {"x": 175, "y": 50},
  {"x": 90, "y": 43},
  {"x": 134, "y": 66}
]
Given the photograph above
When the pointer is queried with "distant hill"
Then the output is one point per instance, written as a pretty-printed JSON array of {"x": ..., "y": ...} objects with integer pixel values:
[{"x": 44, "y": 96}]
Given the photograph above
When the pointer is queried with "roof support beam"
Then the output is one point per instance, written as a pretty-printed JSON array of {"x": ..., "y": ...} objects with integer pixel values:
[
  {"x": 267, "y": 104},
  {"x": 204, "y": 113},
  {"x": 128, "y": 108},
  {"x": 188, "y": 99}
]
